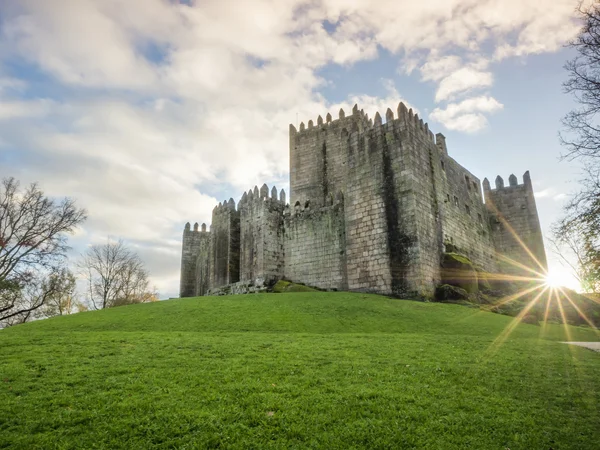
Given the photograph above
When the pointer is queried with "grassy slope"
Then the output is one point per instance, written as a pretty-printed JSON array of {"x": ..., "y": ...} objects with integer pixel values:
[{"x": 326, "y": 370}]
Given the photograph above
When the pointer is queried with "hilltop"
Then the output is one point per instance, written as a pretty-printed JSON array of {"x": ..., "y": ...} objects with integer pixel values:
[{"x": 321, "y": 370}]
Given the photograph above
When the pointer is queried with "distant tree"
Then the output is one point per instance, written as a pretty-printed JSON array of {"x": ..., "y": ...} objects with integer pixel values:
[
  {"x": 576, "y": 248},
  {"x": 579, "y": 229},
  {"x": 33, "y": 246},
  {"x": 115, "y": 276},
  {"x": 62, "y": 300}
]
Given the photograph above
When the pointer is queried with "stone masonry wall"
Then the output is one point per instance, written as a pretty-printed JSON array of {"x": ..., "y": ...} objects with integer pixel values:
[
  {"x": 463, "y": 213},
  {"x": 367, "y": 243},
  {"x": 203, "y": 261},
  {"x": 189, "y": 254},
  {"x": 513, "y": 212},
  {"x": 314, "y": 246},
  {"x": 319, "y": 157},
  {"x": 225, "y": 251},
  {"x": 409, "y": 142},
  {"x": 261, "y": 233}
]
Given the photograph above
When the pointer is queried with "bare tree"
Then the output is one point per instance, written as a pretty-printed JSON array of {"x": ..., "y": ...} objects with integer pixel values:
[
  {"x": 579, "y": 230},
  {"x": 582, "y": 136},
  {"x": 115, "y": 276},
  {"x": 33, "y": 246}
]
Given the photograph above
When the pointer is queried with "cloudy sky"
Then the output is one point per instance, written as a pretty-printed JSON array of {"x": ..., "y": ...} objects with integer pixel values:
[{"x": 149, "y": 112}]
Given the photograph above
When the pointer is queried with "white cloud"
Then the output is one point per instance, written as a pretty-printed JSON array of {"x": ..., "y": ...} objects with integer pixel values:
[
  {"x": 467, "y": 115},
  {"x": 544, "y": 193},
  {"x": 16, "y": 109},
  {"x": 438, "y": 68},
  {"x": 559, "y": 197},
  {"x": 462, "y": 80}
]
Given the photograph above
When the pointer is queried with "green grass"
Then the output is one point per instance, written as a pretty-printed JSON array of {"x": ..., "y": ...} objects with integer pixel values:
[{"x": 302, "y": 370}]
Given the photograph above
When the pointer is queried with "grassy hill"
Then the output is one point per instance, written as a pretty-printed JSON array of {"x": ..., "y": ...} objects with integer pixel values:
[{"x": 296, "y": 370}]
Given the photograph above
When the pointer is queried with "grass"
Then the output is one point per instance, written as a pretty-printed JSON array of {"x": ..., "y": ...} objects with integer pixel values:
[{"x": 301, "y": 370}]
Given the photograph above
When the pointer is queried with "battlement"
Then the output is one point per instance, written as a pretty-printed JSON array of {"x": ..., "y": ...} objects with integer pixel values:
[
  {"x": 360, "y": 121},
  {"x": 224, "y": 207},
  {"x": 254, "y": 196},
  {"x": 187, "y": 228},
  {"x": 304, "y": 209},
  {"x": 512, "y": 183}
]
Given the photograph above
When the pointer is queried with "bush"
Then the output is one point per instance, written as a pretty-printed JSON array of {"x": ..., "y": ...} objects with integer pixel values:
[{"x": 530, "y": 319}]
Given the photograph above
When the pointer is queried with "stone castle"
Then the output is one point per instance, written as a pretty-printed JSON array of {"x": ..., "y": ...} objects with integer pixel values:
[{"x": 374, "y": 205}]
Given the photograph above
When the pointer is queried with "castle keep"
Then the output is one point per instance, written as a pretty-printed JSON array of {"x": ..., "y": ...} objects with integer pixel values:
[{"x": 374, "y": 205}]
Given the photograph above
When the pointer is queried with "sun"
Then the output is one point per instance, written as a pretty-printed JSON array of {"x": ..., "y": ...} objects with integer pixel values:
[{"x": 560, "y": 277}]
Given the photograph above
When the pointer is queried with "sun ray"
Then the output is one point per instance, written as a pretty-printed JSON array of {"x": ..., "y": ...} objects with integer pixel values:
[
  {"x": 510, "y": 277},
  {"x": 503, "y": 336},
  {"x": 520, "y": 265},
  {"x": 547, "y": 310},
  {"x": 581, "y": 313},
  {"x": 564, "y": 318},
  {"x": 517, "y": 238},
  {"x": 517, "y": 295}
]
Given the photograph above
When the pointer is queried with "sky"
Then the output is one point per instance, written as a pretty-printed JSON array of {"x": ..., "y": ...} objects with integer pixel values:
[{"x": 150, "y": 112}]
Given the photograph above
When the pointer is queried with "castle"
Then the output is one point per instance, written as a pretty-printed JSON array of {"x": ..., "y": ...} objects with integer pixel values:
[{"x": 373, "y": 207}]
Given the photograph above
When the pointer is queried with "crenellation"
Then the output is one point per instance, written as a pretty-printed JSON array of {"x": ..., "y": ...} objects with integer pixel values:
[
  {"x": 373, "y": 207},
  {"x": 499, "y": 182},
  {"x": 389, "y": 115},
  {"x": 264, "y": 191},
  {"x": 378, "y": 121}
]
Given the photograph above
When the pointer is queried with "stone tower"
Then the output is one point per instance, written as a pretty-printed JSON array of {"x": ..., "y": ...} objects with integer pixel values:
[{"x": 515, "y": 225}]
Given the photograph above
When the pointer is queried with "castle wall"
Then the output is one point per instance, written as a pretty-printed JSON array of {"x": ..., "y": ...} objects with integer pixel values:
[
  {"x": 367, "y": 246},
  {"x": 416, "y": 253},
  {"x": 203, "y": 261},
  {"x": 314, "y": 246},
  {"x": 516, "y": 230},
  {"x": 463, "y": 213},
  {"x": 225, "y": 245},
  {"x": 261, "y": 233},
  {"x": 189, "y": 254},
  {"x": 318, "y": 158}
]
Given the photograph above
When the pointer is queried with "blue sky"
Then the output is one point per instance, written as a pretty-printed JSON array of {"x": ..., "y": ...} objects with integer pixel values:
[{"x": 148, "y": 112}]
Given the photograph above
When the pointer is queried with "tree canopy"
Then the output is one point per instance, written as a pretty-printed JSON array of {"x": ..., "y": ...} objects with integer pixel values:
[{"x": 33, "y": 246}]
